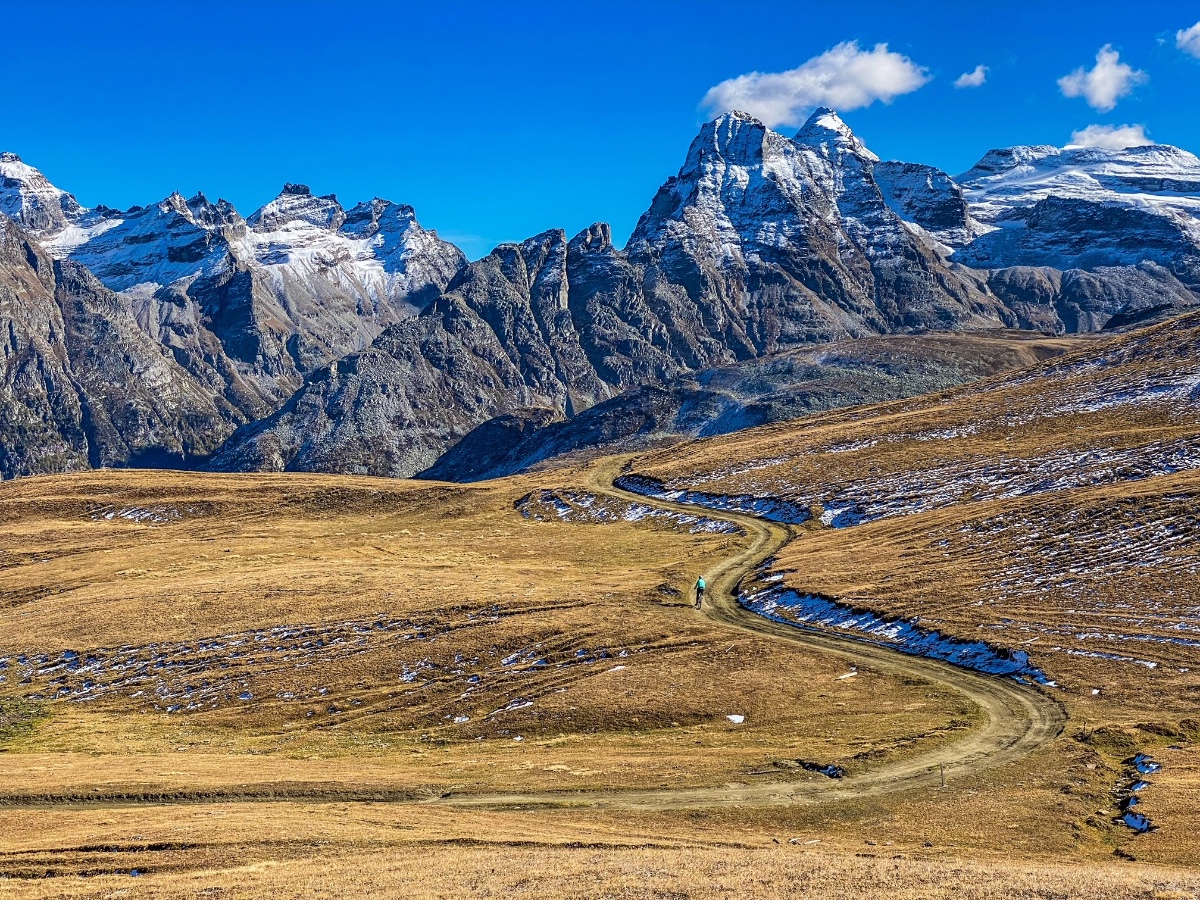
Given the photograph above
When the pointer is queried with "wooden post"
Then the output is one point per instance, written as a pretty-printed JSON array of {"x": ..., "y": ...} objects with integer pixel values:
[{"x": 942, "y": 766}]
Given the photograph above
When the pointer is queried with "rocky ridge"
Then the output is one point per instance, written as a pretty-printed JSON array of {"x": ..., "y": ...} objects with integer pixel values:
[
  {"x": 759, "y": 244},
  {"x": 396, "y": 349},
  {"x": 81, "y": 384},
  {"x": 249, "y": 306}
]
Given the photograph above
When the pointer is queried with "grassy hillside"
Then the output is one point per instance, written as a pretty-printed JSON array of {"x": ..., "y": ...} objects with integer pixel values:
[
  {"x": 293, "y": 685},
  {"x": 1052, "y": 513}
]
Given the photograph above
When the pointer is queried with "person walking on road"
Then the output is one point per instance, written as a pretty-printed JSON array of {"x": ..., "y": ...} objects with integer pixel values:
[{"x": 700, "y": 586}]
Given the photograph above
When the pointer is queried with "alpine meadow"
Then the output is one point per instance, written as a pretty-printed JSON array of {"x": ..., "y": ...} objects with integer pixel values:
[{"x": 829, "y": 529}]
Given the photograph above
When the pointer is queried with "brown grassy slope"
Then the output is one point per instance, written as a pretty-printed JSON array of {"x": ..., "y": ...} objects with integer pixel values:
[
  {"x": 274, "y": 627},
  {"x": 558, "y": 873},
  {"x": 1039, "y": 506},
  {"x": 1089, "y": 583},
  {"x": 294, "y": 557},
  {"x": 1037, "y": 512},
  {"x": 1121, "y": 393}
]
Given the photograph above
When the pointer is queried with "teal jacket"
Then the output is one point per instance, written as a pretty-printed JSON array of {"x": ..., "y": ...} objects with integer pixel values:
[{"x": 700, "y": 585}]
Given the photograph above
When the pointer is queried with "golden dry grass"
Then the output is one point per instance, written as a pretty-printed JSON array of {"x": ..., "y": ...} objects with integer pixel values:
[
  {"x": 351, "y": 849},
  {"x": 558, "y": 873},
  {"x": 628, "y": 686},
  {"x": 315, "y": 639},
  {"x": 1039, "y": 514},
  {"x": 469, "y": 590}
]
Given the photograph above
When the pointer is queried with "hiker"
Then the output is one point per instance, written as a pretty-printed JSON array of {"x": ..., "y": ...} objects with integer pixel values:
[{"x": 700, "y": 586}]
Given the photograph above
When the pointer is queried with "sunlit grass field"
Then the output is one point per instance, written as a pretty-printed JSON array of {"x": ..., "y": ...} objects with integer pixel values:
[{"x": 296, "y": 685}]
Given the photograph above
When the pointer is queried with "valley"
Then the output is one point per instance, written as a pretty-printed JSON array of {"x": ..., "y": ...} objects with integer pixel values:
[
  {"x": 268, "y": 683},
  {"x": 334, "y": 562}
]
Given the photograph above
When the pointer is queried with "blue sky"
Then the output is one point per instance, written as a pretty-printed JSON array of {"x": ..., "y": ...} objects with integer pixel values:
[{"x": 500, "y": 120}]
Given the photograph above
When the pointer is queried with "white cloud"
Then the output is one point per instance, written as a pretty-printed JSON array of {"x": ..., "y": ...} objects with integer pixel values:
[
  {"x": 1105, "y": 84},
  {"x": 844, "y": 78},
  {"x": 976, "y": 78},
  {"x": 1188, "y": 40},
  {"x": 1111, "y": 137}
]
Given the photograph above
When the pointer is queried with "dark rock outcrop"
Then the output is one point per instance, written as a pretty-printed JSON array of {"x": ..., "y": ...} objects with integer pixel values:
[
  {"x": 82, "y": 384},
  {"x": 760, "y": 243},
  {"x": 742, "y": 395}
]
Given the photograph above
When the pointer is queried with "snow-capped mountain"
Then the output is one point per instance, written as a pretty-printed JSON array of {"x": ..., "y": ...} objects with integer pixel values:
[
  {"x": 1007, "y": 181},
  {"x": 781, "y": 225},
  {"x": 377, "y": 251},
  {"x": 149, "y": 247},
  {"x": 250, "y": 306},
  {"x": 1085, "y": 208},
  {"x": 761, "y": 242},
  {"x": 832, "y": 138},
  {"x": 29, "y": 199}
]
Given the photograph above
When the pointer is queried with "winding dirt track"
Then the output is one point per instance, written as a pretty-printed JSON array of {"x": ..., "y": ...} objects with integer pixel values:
[{"x": 1018, "y": 719}]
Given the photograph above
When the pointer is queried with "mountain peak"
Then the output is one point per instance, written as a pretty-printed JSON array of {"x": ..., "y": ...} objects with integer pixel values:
[
  {"x": 727, "y": 126},
  {"x": 596, "y": 238},
  {"x": 734, "y": 136},
  {"x": 297, "y": 203},
  {"x": 826, "y": 128},
  {"x": 366, "y": 219},
  {"x": 827, "y": 118},
  {"x": 737, "y": 115},
  {"x": 28, "y": 197},
  {"x": 178, "y": 203},
  {"x": 1003, "y": 159}
]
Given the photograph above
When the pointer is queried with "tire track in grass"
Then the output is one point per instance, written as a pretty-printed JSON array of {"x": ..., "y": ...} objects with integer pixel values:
[{"x": 1018, "y": 718}]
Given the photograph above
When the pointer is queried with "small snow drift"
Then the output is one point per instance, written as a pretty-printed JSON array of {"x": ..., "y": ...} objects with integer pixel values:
[
  {"x": 580, "y": 506},
  {"x": 811, "y": 611},
  {"x": 828, "y": 770},
  {"x": 770, "y": 508},
  {"x": 1145, "y": 765}
]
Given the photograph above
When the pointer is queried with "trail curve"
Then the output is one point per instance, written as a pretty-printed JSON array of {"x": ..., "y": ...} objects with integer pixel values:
[{"x": 1018, "y": 718}]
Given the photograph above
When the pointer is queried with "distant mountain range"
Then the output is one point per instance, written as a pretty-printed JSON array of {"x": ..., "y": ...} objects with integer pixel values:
[{"x": 311, "y": 337}]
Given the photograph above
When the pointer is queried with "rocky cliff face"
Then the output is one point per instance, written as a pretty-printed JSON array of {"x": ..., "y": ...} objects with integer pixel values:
[
  {"x": 502, "y": 338},
  {"x": 798, "y": 235},
  {"x": 1072, "y": 233},
  {"x": 301, "y": 320},
  {"x": 248, "y": 306},
  {"x": 759, "y": 243},
  {"x": 82, "y": 385},
  {"x": 928, "y": 197}
]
